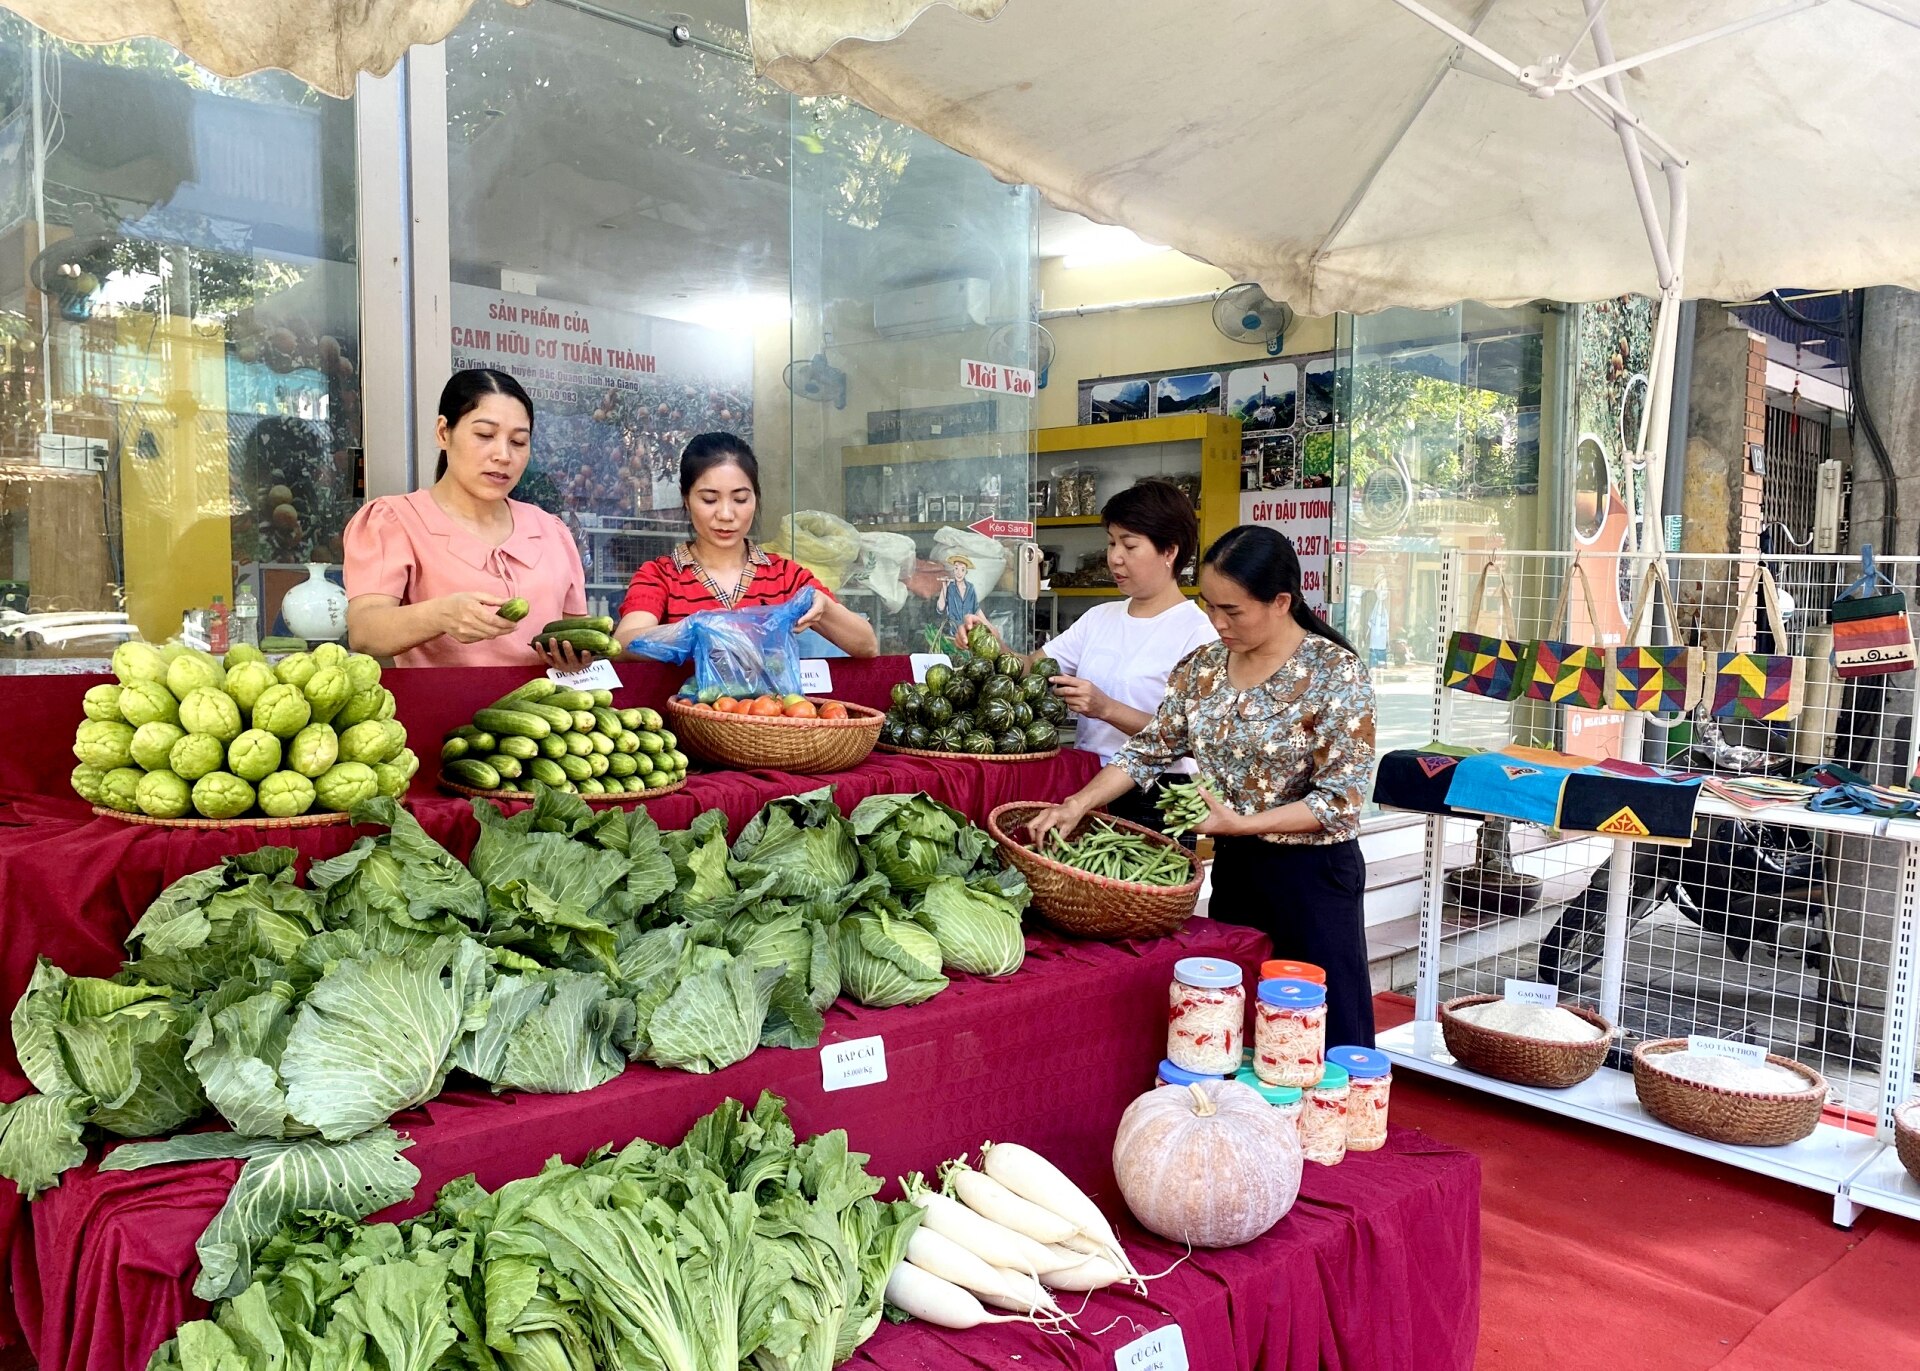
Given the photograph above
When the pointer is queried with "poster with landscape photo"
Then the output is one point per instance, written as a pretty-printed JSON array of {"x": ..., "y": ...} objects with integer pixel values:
[
  {"x": 1197, "y": 393},
  {"x": 1116, "y": 402},
  {"x": 1264, "y": 397}
]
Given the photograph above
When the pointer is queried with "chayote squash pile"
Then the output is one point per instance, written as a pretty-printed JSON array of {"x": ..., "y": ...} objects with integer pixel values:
[{"x": 186, "y": 734}]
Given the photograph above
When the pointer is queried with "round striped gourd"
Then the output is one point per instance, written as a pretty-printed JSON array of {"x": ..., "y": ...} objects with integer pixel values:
[{"x": 1211, "y": 1164}]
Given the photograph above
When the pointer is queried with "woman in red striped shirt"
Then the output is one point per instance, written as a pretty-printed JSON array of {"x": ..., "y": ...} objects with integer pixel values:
[{"x": 722, "y": 568}]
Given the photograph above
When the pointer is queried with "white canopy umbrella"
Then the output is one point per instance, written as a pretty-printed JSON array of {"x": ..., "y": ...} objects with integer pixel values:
[
  {"x": 1361, "y": 154},
  {"x": 326, "y": 43}
]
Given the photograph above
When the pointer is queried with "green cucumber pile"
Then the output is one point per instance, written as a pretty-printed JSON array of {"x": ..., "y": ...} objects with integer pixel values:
[
  {"x": 571, "y": 740},
  {"x": 1104, "y": 850},
  {"x": 1183, "y": 806},
  {"x": 590, "y": 633}
]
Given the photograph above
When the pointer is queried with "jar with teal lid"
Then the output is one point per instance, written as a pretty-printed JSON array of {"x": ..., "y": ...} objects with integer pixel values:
[
  {"x": 1370, "y": 1081},
  {"x": 1289, "y": 1100},
  {"x": 1169, "y": 1074},
  {"x": 1323, "y": 1124}
]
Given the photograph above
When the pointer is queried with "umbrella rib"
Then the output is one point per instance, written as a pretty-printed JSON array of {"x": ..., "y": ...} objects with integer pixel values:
[
  {"x": 1890, "y": 10},
  {"x": 1463, "y": 38},
  {"x": 1572, "y": 80}
]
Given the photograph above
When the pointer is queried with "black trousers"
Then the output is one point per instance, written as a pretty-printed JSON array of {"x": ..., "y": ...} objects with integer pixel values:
[{"x": 1310, "y": 900}]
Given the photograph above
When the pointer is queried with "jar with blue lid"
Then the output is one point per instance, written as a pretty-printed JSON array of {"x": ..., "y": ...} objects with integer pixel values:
[
  {"x": 1290, "y": 1032},
  {"x": 1206, "y": 1016},
  {"x": 1169, "y": 1074},
  {"x": 1370, "y": 1083}
]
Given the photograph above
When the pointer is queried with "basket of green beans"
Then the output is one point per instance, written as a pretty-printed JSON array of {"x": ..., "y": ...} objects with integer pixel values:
[{"x": 1107, "y": 879}]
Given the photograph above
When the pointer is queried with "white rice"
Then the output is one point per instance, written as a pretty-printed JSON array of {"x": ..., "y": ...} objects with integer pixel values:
[
  {"x": 1762, "y": 1079},
  {"x": 1544, "y": 1023}
]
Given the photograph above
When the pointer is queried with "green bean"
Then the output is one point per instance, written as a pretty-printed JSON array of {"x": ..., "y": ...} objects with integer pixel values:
[{"x": 1115, "y": 854}]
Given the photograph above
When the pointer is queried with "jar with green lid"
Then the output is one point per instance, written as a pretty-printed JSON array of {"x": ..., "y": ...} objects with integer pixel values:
[
  {"x": 1323, "y": 1124},
  {"x": 1289, "y": 1100}
]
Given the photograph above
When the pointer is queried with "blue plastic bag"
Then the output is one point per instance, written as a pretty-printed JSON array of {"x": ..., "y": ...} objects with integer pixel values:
[{"x": 735, "y": 652}]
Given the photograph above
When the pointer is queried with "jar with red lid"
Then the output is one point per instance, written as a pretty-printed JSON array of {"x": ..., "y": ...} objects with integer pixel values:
[
  {"x": 1290, "y": 1032},
  {"x": 1206, "y": 1016}
]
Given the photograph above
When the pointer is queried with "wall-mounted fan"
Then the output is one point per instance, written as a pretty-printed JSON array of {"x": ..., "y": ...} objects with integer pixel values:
[
  {"x": 818, "y": 380},
  {"x": 1247, "y": 314},
  {"x": 1024, "y": 345},
  {"x": 71, "y": 272}
]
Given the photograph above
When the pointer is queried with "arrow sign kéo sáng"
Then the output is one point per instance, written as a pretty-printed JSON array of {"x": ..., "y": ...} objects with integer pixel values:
[{"x": 1003, "y": 528}]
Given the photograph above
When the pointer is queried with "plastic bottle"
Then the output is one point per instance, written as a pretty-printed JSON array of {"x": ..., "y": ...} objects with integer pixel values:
[
  {"x": 217, "y": 626},
  {"x": 246, "y": 616}
]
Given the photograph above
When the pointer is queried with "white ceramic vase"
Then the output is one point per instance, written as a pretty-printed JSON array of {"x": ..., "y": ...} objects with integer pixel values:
[{"x": 316, "y": 609}]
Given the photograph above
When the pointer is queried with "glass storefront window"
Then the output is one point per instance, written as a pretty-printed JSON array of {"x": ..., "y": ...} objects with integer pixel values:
[
  {"x": 179, "y": 338},
  {"x": 1444, "y": 449},
  {"x": 619, "y": 242},
  {"x": 658, "y": 244},
  {"x": 912, "y": 292}
]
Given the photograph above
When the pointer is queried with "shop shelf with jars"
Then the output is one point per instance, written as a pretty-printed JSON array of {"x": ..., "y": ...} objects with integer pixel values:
[{"x": 1079, "y": 468}]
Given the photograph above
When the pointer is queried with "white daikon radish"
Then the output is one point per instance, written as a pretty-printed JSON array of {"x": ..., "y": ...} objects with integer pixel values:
[
  {"x": 1025, "y": 1295},
  {"x": 1032, "y": 1177},
  {"x": 987, "y": 1197},
  {"x": 987, "y": 1240},
  {"x": 1081, "y": 1243},
  {"x": 942, "y": 1303},
  {"x": 1092, "y": 1273},
  {"x": 939, "y": 1255}
]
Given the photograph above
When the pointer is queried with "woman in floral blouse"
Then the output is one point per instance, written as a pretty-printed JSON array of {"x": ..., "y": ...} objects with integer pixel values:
[{"x": 1279, "y": 716}]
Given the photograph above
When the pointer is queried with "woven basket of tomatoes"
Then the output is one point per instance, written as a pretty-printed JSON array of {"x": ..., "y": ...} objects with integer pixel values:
[{"x": 777, "y": 733}]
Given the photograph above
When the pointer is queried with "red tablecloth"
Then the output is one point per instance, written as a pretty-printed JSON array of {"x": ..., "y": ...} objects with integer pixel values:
[
  {"x": 1050, "y": 1057},
  {"x": 429, "y": 701},
  {"x": 72, "y": 886}
]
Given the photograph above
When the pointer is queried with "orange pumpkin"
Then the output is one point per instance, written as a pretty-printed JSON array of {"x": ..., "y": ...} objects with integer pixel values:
[{"x": 1212, "y": 1164}]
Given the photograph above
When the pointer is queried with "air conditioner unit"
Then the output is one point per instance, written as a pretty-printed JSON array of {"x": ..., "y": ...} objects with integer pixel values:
[{"x": 938, "y": 307}]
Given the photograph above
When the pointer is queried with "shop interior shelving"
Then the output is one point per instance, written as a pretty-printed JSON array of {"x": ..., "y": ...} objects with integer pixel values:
[{"x": 1853, "y": 1161}]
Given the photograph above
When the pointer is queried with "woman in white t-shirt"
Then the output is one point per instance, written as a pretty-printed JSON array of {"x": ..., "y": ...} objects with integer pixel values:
[{"x": 1117, "y": 656}]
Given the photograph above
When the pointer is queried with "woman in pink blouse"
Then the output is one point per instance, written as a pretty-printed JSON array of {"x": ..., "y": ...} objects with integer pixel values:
[
  {"x": 427, "y": 573},
  {"x": 1278, "y": 715}
]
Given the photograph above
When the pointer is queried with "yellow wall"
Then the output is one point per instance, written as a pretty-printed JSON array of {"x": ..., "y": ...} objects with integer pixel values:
[
  {"x": 1128, "y": 341},
  {"x": 175, "y": 506}
]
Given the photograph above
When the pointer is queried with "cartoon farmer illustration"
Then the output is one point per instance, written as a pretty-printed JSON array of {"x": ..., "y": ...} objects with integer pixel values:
[{"x": 958, "y": 598}]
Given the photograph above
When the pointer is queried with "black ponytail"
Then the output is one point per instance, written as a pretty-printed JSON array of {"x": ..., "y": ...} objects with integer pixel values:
[
  {"x": 464, "y": 391},
  {"x": 1263, "y": 562}
]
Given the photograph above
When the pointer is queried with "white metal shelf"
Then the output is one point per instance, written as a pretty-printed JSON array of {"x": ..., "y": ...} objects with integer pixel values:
[
  {"x": 1882, "y": 1183},
  {"x": 1856, "y": 1167},
  {"x": 1825, "y": 1161}
]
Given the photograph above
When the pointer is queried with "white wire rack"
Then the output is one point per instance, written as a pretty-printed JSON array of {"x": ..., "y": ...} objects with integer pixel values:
[{"x": 1781, "y": 927}]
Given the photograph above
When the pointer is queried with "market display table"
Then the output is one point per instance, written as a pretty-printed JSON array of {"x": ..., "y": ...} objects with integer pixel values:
[
  {"x": 1050, "y": 1057},
  {"x": 72, "y": 885},
  {"x": 1376, "y": 1269}
]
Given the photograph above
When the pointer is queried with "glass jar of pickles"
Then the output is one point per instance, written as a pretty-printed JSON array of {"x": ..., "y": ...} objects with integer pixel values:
[
  {"x": 1370, "y": 1081},
  {"x": 1290, "y": 1032},
  {"x": 1206, "y": 1016},
  {"x": 1323, "y": 1125}
]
